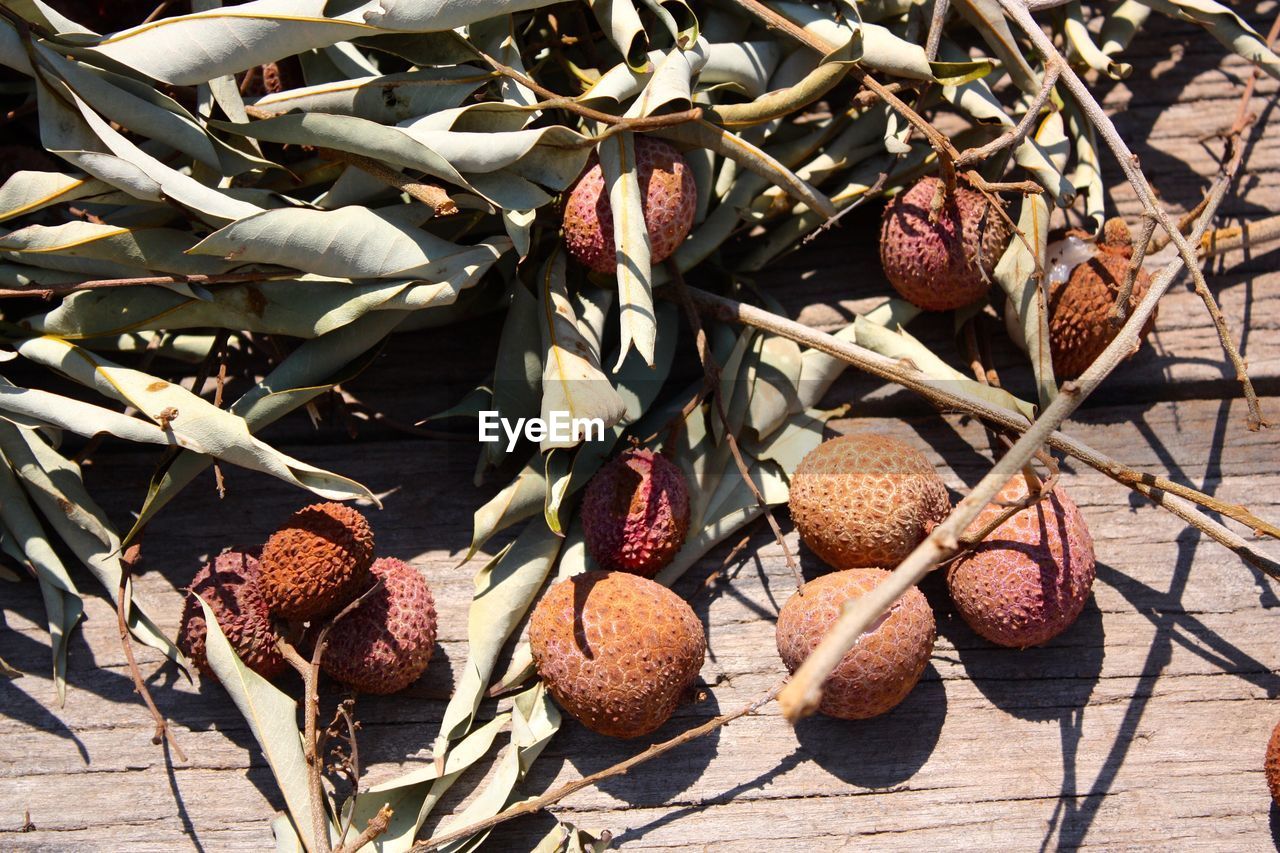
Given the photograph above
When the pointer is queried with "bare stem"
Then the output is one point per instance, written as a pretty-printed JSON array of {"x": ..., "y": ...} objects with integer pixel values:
[
  {"x": 1013, "y": 137},
  {"x": 537, "y": 804},
  {"x": 435, "y": 197},
  {"x": 711, "y": 372},
  {"x": 162, "y": 734},
  {"x": 310, "y": 672},
  {"x": 943, "y": 395},
  {"x": 1121, "y": 309}
]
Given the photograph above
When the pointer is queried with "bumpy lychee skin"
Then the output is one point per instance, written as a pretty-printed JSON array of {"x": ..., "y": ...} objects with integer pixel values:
[
  {"x": 886, "y": 662},
  {"x": 385, "y": 643},
  {"x": 1027, "y": 582},
  {"x": 635, "y": 513},
  {"x": 670, "y": 196},
  {"x": 1080, "y": 308},
  {"x": 865, "y": 500},
  {"x": 317, "y": 562},
  {"x": 617, "y": 651},
  {"x": 945, "y": 262},
  {"x": 1272, "y": 765},
  {"x": 231, "y": 586}
]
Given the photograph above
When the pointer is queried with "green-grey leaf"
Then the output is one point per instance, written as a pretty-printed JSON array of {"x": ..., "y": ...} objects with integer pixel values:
[
  {"x": 216, "y": 432},
  {"x": 631, "y": 243},
  {"x": 1224, "y": 25},
  {"x": 55, "y": 486},
  {"x": 272, "y": 717},
  {"x": 573, "y": 384}
]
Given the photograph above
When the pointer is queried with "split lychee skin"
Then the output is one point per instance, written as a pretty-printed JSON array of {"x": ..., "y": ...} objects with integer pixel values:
[
  {"x": 317, "y": 562},
  {"x": 617, "y": 651},
  {"x": 1272, "y": 765},
  {"x": 670, "y": 198},
  {"x": 943, "y": 262},
  {"x": 230, "y": 584},
  {"x": 882, "y": 667},
  {"x": 386, "y": 642},
  {"x": 1028, "y": 581},
  {"x": 866, "y": 500},
  {"x": 1080, "y": 308},
  {"x": 635, "y": 513}
]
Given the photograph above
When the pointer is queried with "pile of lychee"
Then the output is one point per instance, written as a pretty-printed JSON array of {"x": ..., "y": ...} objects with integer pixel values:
[
  {"x": 620, "y": 652},
  {"x": 307, "y": 573},
  {"x": 940, "y": 249}
]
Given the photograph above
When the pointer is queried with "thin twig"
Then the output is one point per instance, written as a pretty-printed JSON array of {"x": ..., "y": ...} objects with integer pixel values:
[
  {"x": 712, "y": 380},
  {"x": 1014, "y": 136},
  {"x": 944, "y": 395},
  {"x": 537, "y": 804},
  {"x": 432, "y": 195},
  {"x": 100, "y": 284},
  {"x": 1121, "y": 309},
  {"x": 553, "y": 101},
  {"x": 130, "y": 558},
  {"x": 936, "y": 22},
  {"x": 310, "y": 672},
  {"x": 378, "y": 824}
]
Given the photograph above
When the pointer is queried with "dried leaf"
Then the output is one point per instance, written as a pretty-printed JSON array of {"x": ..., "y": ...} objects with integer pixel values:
[{"x": 272, "y": 717}]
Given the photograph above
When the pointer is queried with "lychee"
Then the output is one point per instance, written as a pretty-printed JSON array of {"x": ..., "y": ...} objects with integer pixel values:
[
  {"x": 617, "y": 651},
  {"x": 865, "y": 500},
  {"x": 670, "y": 196},
  {"x": 943, "y": 259},
  {"x": 635, "y": 513},
  {"x": 1028, "y": 581},
  {"x": 886, "y": 662},
  {"x": 1080, "y": 325},
  {"x": 385, "y": 643},
  {"x": 317, "y": 562},
  {"x": 230, "y": 585},
  {"x": 1272, "y": 765}
]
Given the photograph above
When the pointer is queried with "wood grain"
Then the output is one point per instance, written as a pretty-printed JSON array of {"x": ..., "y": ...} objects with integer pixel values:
[{"x": 1141, "y": 727}]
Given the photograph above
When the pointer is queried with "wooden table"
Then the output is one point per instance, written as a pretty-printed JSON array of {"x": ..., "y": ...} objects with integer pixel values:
[{"x": 1144, "y": 725}]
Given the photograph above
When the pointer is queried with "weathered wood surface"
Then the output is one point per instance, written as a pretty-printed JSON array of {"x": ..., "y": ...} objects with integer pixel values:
[{"x": 1143, "y": 726}]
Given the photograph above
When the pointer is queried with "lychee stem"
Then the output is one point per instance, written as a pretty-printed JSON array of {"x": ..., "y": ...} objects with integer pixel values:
[{"x": 537, "y": 804}]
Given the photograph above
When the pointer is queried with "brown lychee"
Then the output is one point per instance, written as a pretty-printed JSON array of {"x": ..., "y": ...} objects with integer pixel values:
[
  {"x": 670, "y": 197},
  {"x": 617, "y": 651},
  {"x": 866, "y": 500},
  {"x": 1080, "y": 325},
  {"x": 1272, "y": 765},
  {"x": 385, "y": 643},
  {"x": 635, "y": 513},
  {"x": 944, "y": 259},
  {"x": 317, "y": 562},
  {"x": 886, "y": 662},
  {"x": 230, "y": 584},
  {"x": 1028, "y": 581}
]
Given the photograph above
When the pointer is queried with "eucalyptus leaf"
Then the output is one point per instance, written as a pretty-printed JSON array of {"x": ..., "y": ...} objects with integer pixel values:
[
  {"x": 309, "y": 371},
  {"x": 26, "y": 192},
  {"x": 573, "y": 385},
  {"x": 407, "y": 794},
  {"x": 534, "y": 721},
  {"x": 504, "y": 590},
  {"x": 1224, "y": 25},
  {"x": 1018, "y": 275},
  {"x": 55, "y": 486},
  {"x": 631, "y": 243},
  {"x": 214, "y": 431},
  {"x": 272, "y": 717}
]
